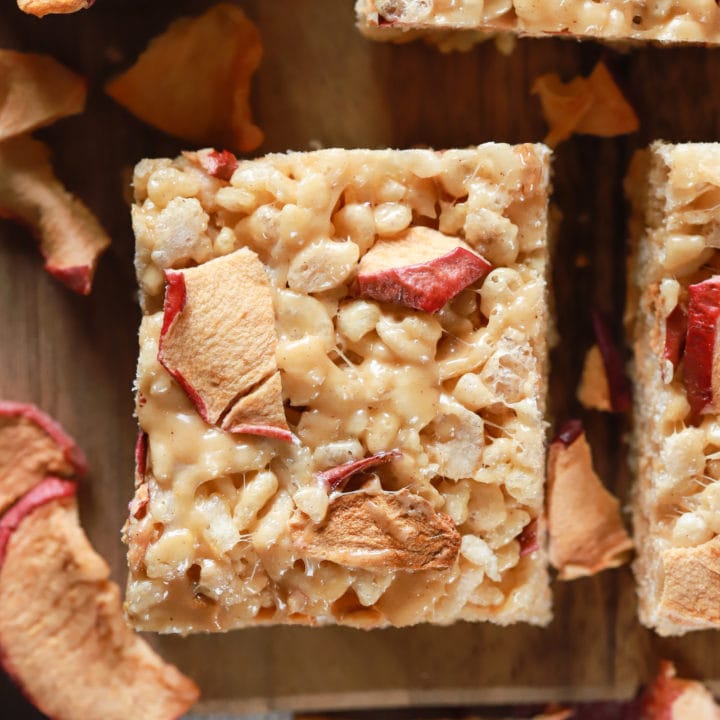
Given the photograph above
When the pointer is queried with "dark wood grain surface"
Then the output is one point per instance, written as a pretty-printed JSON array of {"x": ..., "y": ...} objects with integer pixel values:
[{"x": 321, "y": 82}]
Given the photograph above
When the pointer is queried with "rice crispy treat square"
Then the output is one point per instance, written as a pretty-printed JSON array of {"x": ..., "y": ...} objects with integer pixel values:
[
  {"x": 340, "y": 389},
  {"x": 673, "y": 306},
  {"x": 457, "y": 22}
]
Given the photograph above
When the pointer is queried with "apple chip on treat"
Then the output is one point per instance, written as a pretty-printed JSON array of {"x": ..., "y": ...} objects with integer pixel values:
[
  {"x": 674, "y": 312},
  {"x": 218, "y": 341},
  {"x": 673, "y": 698},
  {"x": 32, "y": 446},
  {"x": 342, "y": 382},
  {"x": 193, "y": 80},
  {"x": 586, "y": 534},
  {"x": 40, "y": 8},
  {"x": 71, "y": 239},
  {"x": 63, "y": 636},
  {"x": 586, "y": 106},
  {"x": 423, "y": 269},
  {"x": 36, "y": 91}
]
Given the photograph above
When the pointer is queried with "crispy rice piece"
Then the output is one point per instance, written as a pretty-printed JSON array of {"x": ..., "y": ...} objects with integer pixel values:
[
  {"x": 63, "y": 636},
  {"x": 681, "y": 22},
  {"x": 672, "y": 279},
  {"x": 193, "y": 80},
  {"x": 71, "y": 239},
  {"x": 409, "y": 487},
  {"x": 36, "y": 91}
]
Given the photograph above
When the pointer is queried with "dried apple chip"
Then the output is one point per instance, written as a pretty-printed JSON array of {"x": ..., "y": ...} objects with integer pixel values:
[
  {"x": 590, "y": 106},
  {"x": 193, "y": 80},
  {"x": 218, "y": 341},
  {"x": 32, "y": 446},
  {"x": 63, "y": 636},
  {"x": 36, "y": 90},
  {"x": 586, "y": 534},
  {"x": 386, "y": 530},
  {"x": 40, "y": 8},
  {"x": 71, "y": 238}
]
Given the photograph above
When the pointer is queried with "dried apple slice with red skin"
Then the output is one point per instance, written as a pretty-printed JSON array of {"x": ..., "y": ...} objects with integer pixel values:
[
  {"x": 71, "y": 239},
  {"x": 193, "y": 80},
  {"x": 218, "y": 337},
  {"x": 675, "y": 333},
  {"x": 32, "y": 446},
  {"x": 217, "y": 163},
  {"x": 702, "y": 366},
  {"x": 37, "y": 91},
  {"x": 422, "y": 269},
  {"x": 336, "y": 478},
  {"x": 63, "y": 636},
  {"x": 671, "y": 698},
  {"x": 620, "y": 393},
  {"x": 51, "y": 488}
]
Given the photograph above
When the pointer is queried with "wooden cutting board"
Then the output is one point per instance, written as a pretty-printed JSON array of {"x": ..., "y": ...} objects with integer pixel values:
[{"x": 320, "y": 82}]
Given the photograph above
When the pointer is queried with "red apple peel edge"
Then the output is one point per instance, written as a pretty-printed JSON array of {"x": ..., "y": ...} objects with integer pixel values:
[
  {"x": 569, "y": 432},
  {"x": 173, "y": 305},
  {"x": 336, "y": 478},
  {"x": 618, "y": 383},
  {"x": 426, "y": 286},
  {"x": 52, "y": 488},
  {"x": 72, "y": 453},
  {"x": 701, "y": 346},
  {"x": 269, "y": 431}
]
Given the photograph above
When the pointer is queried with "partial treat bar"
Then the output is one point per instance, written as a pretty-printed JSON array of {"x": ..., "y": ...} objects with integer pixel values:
[
  {"x": 673, "y": 310},
  {"x": 679, "y": 22},
  {"x": 340, "y": 389}
]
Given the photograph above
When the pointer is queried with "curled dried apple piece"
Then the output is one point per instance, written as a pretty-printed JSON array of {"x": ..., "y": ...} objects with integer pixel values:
[
  {"x": 702, "y": 367},
  {"x": 336, "y": 478},
  {"x": 63, "y": 636},
  {"x": 36, "y": 91},
  {"x": 528, "y": 539},
  {"x": 422, "y": 269},
  {"x": 218, "y": 340},
  {"x": 384, "y": 531},
  {"x": 40, "y": 8},
  {"x": 32, "y": 446},
  {"x": 193, "y": 80},
  {"x": 594, "y": 391},
  {"x": 71, "y": 239},
  {"x": 590, "y": 106},
  {"x": 586, "y": 534},
  {"x": 671, "y": 698}
]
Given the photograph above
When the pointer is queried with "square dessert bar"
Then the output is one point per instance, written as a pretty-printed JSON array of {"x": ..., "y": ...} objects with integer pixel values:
[
  {"x": 674, "y": 308},
  {"x": 340, "y": 389},
  {"x": 683, "y": 21}
]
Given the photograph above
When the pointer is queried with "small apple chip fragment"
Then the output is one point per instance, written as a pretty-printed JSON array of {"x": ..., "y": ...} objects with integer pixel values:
[
  {"x": 342, "y": 384},
  {"x": 674, "y": 315}
]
